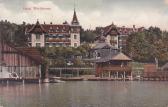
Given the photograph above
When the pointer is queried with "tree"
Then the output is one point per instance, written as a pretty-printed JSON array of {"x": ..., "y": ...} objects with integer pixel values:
[
  {"x": 88, "y": 36},
  {"x": 7, "y": 31},
  {"x": 148, "y": 45},
  {"x": 20, "y": 38}
]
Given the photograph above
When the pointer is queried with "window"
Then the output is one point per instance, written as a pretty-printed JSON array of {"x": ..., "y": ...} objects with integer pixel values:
[
  {"x": 47, "y": 44},
  {"x": 38, "y": 44},
  {"x": 30, "y": 44},
  {"x": 98, "y": 54},
  {"x": 75, "y": 36},
  {"x": 37, "y": 37},
  {"x": 75, "y": 44}
]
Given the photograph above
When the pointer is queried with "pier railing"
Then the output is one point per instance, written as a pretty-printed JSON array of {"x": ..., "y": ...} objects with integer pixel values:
[
  {"x": 117, "y": 68},
  {"x": 71, "y": 68}
]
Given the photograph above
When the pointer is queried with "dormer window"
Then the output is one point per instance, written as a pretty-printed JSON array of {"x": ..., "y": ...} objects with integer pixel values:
[{"x": 37, "y": 36}]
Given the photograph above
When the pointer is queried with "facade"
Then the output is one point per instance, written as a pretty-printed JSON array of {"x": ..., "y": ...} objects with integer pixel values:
[
  {"x": 50, "y": 35},
  {"x": 25, "y": 63},
  {"x": 117, "y": 36},
  {"x": 110, "y": 62}
]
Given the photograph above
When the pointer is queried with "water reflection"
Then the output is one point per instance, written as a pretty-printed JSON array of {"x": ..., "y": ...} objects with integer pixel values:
[{"x": 85, "y": 94}]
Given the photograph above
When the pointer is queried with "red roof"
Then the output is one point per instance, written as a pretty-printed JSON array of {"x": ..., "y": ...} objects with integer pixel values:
[
  {"x": 37, "y": 28},
  {"x": 49, "y": 28},
  {"x": 119, "y": 30},
  {"x": 111, "y": 29},
  {"x": 32, "y": 53},
  {"x": 56, "y": 28}
]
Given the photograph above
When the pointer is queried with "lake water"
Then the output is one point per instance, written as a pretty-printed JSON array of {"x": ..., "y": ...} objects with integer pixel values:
[{"x": 85, "y": 94}]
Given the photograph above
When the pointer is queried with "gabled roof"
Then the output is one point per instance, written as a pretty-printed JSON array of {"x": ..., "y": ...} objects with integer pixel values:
[
  {"x": 50, "y": 28},
  {"x": 121, "y": 56},
  {"x": 117, "y": 56},
  {"x": 111, "y": 30},
  {"x": 107, "y": 58},
  {"x": 121, "y": 30},
  {"x": 37, "y": 28}
]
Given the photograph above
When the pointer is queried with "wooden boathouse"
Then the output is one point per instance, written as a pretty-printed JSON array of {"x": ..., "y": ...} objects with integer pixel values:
[
  {"x": 110, "y": 62},
  {"x": 114, "y": 66},
  {"x": 24, "y": 62}
]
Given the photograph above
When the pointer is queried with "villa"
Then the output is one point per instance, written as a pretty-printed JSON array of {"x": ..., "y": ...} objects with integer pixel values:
[{"x": 54, "y": 35}]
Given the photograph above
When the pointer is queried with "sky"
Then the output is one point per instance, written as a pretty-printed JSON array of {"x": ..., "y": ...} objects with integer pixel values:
[{"x": 90, "y": 13}]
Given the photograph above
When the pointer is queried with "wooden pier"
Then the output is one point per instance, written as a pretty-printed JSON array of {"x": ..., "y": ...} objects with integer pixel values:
[
  {"x": 13, "y": 80},
  {"x": 155, "y": 76},
  {"x": 70, "y": 70}
]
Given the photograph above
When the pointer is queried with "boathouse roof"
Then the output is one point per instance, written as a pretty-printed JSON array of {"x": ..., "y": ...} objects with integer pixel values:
[
  {"x": 114, "y": 57},
  {"x": 32, "y": 52}
]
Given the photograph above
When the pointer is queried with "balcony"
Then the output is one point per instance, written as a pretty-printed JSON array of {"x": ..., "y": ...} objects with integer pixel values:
[
  {"x": 117, "y": 68},
  {"x": 58, "y": 40}
]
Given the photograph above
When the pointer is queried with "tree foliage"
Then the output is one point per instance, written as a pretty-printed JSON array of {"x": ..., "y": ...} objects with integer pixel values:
[
  {"x": 61, "y": 56},
  {"x": 148, "y": 45},
  {"x": 13, "y": 33},
  {"x": 88, "y": 36}
]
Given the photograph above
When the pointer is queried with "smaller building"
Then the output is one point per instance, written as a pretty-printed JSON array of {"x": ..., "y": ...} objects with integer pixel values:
[
  {"x": 114, "y": 66},
  {"x": 150, "y": 68},
  {"x": 117, "y": 36},
  {"x": 22, "y": 62},
  {"x": 110, "y": 62},
  {"x": 151, "y": 72}
]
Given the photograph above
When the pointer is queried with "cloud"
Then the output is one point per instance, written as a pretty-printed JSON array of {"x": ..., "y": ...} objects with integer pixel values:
[
  {"x": 166, "y": 1},
  {"x": 50, "y": 11},
  {"x": 5, "y": 13}
]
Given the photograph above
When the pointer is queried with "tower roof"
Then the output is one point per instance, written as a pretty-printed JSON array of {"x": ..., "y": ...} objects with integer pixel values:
[{"x": 75, "y": 19}]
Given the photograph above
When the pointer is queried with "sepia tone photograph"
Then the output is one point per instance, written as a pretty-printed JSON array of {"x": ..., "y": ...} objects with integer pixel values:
[{"x": 83, "y": 53}]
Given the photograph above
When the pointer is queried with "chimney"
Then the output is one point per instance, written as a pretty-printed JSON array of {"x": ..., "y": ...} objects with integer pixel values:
[
  {"x": 134, "y": 26},
  {"x": 44, "y": 23},
  {"x": 51, "y": 23}
]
